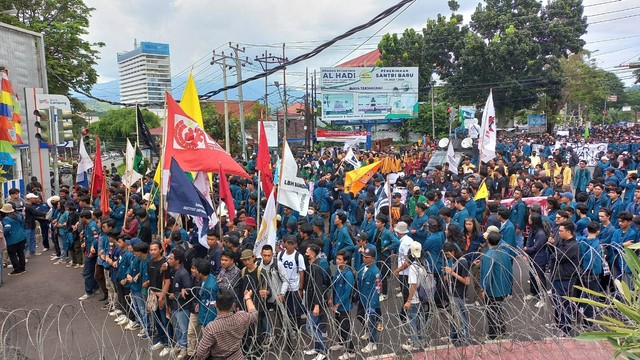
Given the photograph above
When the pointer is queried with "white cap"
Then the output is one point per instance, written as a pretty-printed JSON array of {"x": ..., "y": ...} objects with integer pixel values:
[{"x": 31, "y": 196}]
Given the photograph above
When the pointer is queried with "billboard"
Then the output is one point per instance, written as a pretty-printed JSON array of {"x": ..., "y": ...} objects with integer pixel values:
[
  {"x": 369, "y": 93},
  {"x": 271, "y": 130},
  {"x": 537, "y": 124}
]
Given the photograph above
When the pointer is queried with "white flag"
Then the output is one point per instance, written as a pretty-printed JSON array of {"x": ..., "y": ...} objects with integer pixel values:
[
  {"x": 130, "y": 176},
  {"x": 351, "y": 158},
  {"x": 293, "y": 191},
  {"x": 267, "y": 233},
  {"x": 84, "y": 166},
  {"x": 451, "y": 158},
  {"x": 201, "y": 182},
  {"x": 487, "y": 141}
]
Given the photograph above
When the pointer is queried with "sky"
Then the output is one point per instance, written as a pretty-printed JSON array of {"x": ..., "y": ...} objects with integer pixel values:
[{"x": 194, "y": 28}]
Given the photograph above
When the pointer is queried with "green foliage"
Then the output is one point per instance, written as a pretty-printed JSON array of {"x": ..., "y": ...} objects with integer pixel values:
[
  {"x": 115, "y": 126},
  {"x": 423, "y": 124},
  {"x": 63, "y": 24},
  {"x": 622, "y": 332},
  {"x": 588, "y": 86},
  {"x": 513, "y": 48}
]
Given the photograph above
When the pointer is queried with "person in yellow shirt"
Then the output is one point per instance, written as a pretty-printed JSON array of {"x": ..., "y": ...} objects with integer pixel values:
[
  {"x": 565, "y": 171},
  {"x": 535, "y": 159}
]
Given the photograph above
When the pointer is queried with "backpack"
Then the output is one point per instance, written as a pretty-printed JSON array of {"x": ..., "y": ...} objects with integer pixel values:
[
  {"x": 326, "y": 272},
  {"x": 259, "y": 270},
  {"x": 296, "y": 257},
  {"x": 426, "y": 284}
]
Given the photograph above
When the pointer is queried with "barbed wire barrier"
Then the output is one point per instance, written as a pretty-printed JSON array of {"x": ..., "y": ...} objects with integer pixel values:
[{"x": 536, "y": 327}]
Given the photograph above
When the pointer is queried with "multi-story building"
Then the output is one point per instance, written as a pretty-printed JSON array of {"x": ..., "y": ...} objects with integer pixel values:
[{"x": 145, "y": 73}]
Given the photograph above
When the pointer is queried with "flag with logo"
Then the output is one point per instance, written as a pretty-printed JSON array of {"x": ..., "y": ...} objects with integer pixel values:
[
  {"x": 293, "y": 191},
  {"x": 130, "y": 174},
  {"x": 84, "y": 166},
  {"x": 185, "y": 198},
  {"x": 201, "y": 182},
  {"x": 267, "y": 232},
  {"x": 487, "y": 141},
  {"x": 351, "y": 159},
  {"x": 355, "y": 180},
  {"x": 145, "y": 134},
  {"x": 192, "y": 147}
]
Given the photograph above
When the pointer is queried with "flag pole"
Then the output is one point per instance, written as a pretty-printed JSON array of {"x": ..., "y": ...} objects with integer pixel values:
[
  {"x": 389, "y": 197},
  {"x": 138, "y": 147},
  {"x": 220, "y": 200},
  {"x": 161, "y": 164}
]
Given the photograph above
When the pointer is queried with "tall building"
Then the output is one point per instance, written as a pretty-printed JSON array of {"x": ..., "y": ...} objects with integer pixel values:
[{"x": 145, "y": 73}]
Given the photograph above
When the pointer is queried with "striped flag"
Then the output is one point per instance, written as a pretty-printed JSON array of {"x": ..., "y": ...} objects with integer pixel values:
[{"x": 383, "y": 200}]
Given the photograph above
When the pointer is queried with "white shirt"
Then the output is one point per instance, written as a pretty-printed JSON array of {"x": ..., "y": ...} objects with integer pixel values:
[
  {"x": 291, "y": 272},
  {"x": 413, "y": 279},
  {"x": 403, "y": 250}
]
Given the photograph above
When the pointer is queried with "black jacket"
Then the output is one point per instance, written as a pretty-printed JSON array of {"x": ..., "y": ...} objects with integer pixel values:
[
  {"x": 30, "y": 216},
  {"x": 564, "y": 259}
]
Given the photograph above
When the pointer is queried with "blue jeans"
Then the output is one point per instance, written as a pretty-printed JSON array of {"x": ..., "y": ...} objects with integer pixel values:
[
  {"x": 31, "y": 241},
  {"x": 460, "y": 323},
  {"x": 139, "y": 305},
  {"x": 563, "y": 309},
  {"x": 160, "y": 323},
  {"x": 315, "y": 330},
  {"x": 371, "y": 318},
  {"x": 88, "y": 273},
  {"x": 416, "y": 319},
  {"x": 180, "y": 319},
  {"x": 519, "y": 240}
]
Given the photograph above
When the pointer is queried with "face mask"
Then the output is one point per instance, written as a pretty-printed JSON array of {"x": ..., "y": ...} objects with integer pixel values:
[{"x": 310, "y": 212}]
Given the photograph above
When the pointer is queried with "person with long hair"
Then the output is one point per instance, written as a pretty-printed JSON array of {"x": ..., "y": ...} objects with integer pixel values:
[
  {"x": 473, "y": 237},
  {"x": 456, "y": 273},
  {"x": 537, "y": 252},
  {"x": 455, "y": 235}
]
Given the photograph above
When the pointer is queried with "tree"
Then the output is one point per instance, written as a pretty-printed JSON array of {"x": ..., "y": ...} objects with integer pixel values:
[
  {"x": 512, "y": 47},
  {"x": 115, "y": 126},
  {"x": 214, "y": 126},
  {"x": 70, "y": 59},
  {"x": 423, "y": 124}
]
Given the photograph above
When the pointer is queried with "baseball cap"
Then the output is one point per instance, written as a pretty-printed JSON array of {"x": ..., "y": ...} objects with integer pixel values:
[
  {"x": 491, "y": 229},
  {"x": 567, "y": 194},
  {"x": 416, "y": 188},
  {"x": 246, "y": 254},
  {"x": 133, "y": 241},
  {"x": 232, "y": 239},
  {"x": 31, "y": 196},
  {"x": 416, "y": 249},
  {"x": 362, "y": 236},
  {"x": 369, "y": 252}
]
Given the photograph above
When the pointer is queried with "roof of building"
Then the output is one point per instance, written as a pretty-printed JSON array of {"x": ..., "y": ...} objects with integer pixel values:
[{"x": 368, "y": 59}]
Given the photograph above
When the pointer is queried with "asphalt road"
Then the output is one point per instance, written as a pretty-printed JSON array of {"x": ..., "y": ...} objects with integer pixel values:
[{"x": 41, "y": 318}]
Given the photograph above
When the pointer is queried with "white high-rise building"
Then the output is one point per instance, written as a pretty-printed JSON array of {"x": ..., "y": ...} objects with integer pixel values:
[{"x": 145, "y": 73}]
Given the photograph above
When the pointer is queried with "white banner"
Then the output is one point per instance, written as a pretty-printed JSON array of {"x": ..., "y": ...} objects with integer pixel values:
[
  {"x": 587, "y": 152},
  {"x": 267, "y": 233},
  {"x": 293, "y": 191},
  {"x": 271, "y": 130}
]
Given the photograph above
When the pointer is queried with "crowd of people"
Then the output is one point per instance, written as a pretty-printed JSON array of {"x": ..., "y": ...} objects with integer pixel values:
[{"x": 449, "y": 238}]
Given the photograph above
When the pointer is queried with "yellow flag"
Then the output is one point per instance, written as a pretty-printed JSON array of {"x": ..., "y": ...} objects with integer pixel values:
[
  {"x": 483, "y": 192},
  {"x": 355, "y": 180},
  {"x": 157, "y": 177},
  {"x": 190, "y": 102}
]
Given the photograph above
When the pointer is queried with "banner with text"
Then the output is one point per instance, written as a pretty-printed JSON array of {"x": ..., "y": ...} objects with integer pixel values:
[{"x": 369, "y": 93}]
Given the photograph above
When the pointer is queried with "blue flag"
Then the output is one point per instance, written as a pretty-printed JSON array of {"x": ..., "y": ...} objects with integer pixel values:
[{"x": 184, "y": 197}]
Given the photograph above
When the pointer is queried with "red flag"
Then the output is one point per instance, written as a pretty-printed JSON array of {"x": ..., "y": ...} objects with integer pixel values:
[
  {"x": 97, "y": 177},
  {"x": 104, "y": 198},
  {"x": 263, "y": 162},
  {"x": 192, "y": 147},
  {"x": 225, "y": 194}
]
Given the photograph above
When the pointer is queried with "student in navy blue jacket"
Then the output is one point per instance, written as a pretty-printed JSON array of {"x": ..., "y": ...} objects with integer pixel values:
[
  {"x": 591, "y": 260},
  {"x": 343, "y": 285},
  {"x": 384, "y": 241},
  {"x": 537, "y": 251},
  {"x": 517, "y": 217},
  {"x": 564, "y": 264},
  {"x": 507, "y": 230},
  {"x": 496, "y": 278},
  {"x": 369, "y": 311}
]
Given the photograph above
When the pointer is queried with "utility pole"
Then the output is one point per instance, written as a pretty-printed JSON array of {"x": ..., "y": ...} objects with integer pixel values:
[
  {"x": 222, "y": 61},
  {"x": 264, "y": 61},
  {"x": 284, "y": 86},
  {"x": 307, "y": 125},
  {"x": 314, "y": 96},
  {"x": 272, "y": 59},
  {"x": 239, "y": 64}
]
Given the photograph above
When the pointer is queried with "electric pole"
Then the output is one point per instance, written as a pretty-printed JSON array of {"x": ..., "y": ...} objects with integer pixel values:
[
  {"x": 239, "y": 64},
  {"x": 284, "y": 86},
  {"x": 264, "y": 61},
  {"x": 222, "y": 61}
]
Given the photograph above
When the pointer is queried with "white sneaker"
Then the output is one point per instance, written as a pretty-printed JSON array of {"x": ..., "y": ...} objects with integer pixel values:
[
  {"x": 310, "y": 352},
  {"x": 166, "y": 351},
  {"x": 336, "y": 347},
  {"x": 364, "y": 336},
  {"x": 45, "y": 249},
  {"x": 157, "y": 347},
  {"x": 132, "y": 325},
  {"x": 320, "y": 357},
  {"x": 371, "y": 347},
  {"x": 540, "y": 304},
  {"x": 383, "y": 297},
  {"x": 409, "y": 347},
  {"x": 59, "y": 262},
  {"x": 397, "y": 289},
  {"x": 115, "y": 313},
  {"x": 549, "y": 292},
  {"x": 119, "y": 318},
  {"x": 529, "y": 297},
  {"x": 399, "y": 295},
  {"x": 347, "y": 356},
  {"x": 54, "y": 257},
  {"x": 124, "y": 321},
  {"x": 85, "y": 297}
]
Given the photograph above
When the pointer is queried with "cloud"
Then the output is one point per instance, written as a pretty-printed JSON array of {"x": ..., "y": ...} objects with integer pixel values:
[{"x": 194, "y": 28}]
